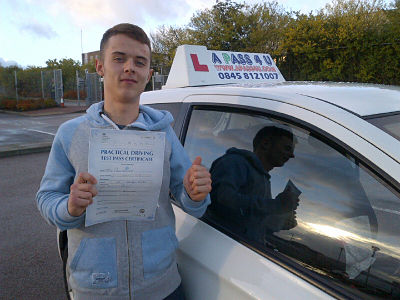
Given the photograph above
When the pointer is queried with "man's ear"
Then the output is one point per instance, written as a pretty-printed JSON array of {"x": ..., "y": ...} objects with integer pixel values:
[
  {"x": 99, "y": 67},
  {"x": 150, "y": 74}
]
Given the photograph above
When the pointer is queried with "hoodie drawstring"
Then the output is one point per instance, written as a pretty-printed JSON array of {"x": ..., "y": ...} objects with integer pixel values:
[{"x": 104, "y": 116}]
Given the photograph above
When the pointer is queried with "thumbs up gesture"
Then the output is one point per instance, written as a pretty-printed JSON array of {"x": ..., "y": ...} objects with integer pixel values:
[{"x": 197, "y": 181}]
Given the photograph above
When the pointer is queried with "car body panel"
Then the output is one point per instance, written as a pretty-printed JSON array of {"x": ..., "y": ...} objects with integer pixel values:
[
  {"x": 362, "y": 99},
  {"x": 225, "y": 269}
]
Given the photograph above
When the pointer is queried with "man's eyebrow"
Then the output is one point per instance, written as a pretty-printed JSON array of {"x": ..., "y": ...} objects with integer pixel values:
[
  {"x": 124, "y": 54},
  {"x": 142, "y": 57},
  {"x": 118, "y": 53}
]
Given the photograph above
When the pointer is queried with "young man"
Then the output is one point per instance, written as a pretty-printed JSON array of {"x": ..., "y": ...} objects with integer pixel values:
[
  {"x": 244, "y": 203},
  {"x": 120, "y": 259}
]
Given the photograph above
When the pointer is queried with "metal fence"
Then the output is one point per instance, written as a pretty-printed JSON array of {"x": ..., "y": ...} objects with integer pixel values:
[
  {"x": 52, "y": 85},
  {"x": 85, "y": 87},
  {"x": 35, "y": 83},
  {"x": 158, "y": 80},
  {"x": 38, "y": 83},
  {"x": 93, "y": 86}
]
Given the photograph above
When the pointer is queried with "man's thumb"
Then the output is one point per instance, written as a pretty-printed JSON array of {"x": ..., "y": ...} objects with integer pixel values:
[{"x": 197, "y": 161}]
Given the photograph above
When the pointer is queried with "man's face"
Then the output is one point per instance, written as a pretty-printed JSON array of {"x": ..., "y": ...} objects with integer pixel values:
[
  {"x": 281, "y": 151},
  {"x": 125, "y": 67}
]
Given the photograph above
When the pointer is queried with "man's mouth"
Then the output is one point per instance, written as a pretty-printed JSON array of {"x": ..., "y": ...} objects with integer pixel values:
[{"x": 129, "y": 80}]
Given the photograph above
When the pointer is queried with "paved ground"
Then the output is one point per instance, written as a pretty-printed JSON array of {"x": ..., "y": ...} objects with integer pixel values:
[
  {"x": 29, "y": 264},
  {"x": 33, "y": 269},
  {"x": 33, "y": 131}
]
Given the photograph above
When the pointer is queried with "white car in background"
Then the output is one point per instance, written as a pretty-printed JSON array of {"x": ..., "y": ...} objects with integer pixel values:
[{"x": 347, "y": 166}]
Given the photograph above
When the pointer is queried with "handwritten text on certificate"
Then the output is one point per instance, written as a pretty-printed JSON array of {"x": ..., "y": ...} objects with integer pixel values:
[{"x": 128, "y": 166}]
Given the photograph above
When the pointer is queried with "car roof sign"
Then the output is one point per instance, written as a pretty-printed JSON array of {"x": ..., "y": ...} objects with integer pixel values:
[{"x": 197, "y": 66}]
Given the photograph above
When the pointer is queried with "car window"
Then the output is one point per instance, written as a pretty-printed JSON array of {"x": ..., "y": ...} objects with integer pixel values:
[
  {"x": 209, "y": 133},
  {"x": 173, "y": 108},
  {"x": 319, "y": 205}
]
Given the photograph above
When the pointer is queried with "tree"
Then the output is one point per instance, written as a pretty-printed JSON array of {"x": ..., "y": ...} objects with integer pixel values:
[
  {"x": 29, "y": 82},
  {"x": 227, "y": 26},
  {"x": 69, "y": 68},
  {"x": 7, "y": 81},
  {"x": 352, "y": 40},
  {"x": 90, "y": 67},
  {"x": 268, "y": 22},
  {"x": 223, "y": 27},
  {"x": 164, "y": 44},
  {"x": 52, "y": 64},
  {"x": 348, "y": 40}
]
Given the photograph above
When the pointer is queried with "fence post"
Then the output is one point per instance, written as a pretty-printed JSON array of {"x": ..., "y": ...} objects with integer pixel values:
[
  {"x": 62, "y": 89},
  {"x": 55, "y": 86},
  {"x": 87, "y": 87},
  {"x": 16, "y": 85},
  {"x": 77, "y": 88},
  {"x": 41, "y": 78}
]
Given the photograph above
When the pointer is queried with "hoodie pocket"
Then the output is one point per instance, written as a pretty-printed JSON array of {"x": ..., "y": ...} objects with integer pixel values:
[
  {"x": 158, "y": 250},
  {"x": 94, "y": 265}
]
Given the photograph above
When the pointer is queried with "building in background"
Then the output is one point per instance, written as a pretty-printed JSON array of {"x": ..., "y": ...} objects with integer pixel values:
[{"x": 90, "y": 57}]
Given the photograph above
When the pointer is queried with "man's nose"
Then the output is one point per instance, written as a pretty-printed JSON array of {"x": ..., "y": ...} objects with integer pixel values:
[{"x": 129, "y": 66}]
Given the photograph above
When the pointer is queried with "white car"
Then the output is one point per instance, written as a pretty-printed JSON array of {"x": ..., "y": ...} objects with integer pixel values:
[{"x": 345, "y": 241}]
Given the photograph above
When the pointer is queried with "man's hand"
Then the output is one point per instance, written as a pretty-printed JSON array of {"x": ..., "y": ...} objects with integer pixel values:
[
  {"x": 82, "y": 193},
  {"x": 197, "y": 181}
]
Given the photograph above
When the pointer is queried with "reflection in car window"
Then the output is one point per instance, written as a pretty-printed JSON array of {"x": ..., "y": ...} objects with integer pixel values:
[
  {"x": 210, "y": 133},
  {"x": 345, "y": 226}
]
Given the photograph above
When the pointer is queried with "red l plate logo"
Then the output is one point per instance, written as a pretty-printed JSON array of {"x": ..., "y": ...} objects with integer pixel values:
[{"x": 197, "y": 66}]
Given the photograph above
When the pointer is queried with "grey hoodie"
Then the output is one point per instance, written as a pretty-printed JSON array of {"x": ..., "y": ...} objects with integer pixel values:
[{"x": 117, "y": 259}]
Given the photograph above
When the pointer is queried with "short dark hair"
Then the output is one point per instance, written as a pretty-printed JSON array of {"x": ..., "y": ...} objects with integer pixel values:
[
  {"x": 272, "y": 132},
  {"x": 133, "y": 31}
]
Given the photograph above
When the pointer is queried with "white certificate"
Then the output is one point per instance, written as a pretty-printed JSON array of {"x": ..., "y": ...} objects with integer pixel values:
[{"x": 128, "y": 166}]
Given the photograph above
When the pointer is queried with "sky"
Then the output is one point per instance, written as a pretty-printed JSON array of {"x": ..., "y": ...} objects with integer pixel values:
[{"x": 33, "y": 31}]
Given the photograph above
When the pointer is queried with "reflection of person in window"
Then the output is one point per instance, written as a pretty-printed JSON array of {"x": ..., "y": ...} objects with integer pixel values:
[{"x": 241, "y": 187}]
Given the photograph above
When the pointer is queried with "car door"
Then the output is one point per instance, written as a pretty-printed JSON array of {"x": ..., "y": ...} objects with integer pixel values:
[{"x": 342, "y": 240}]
